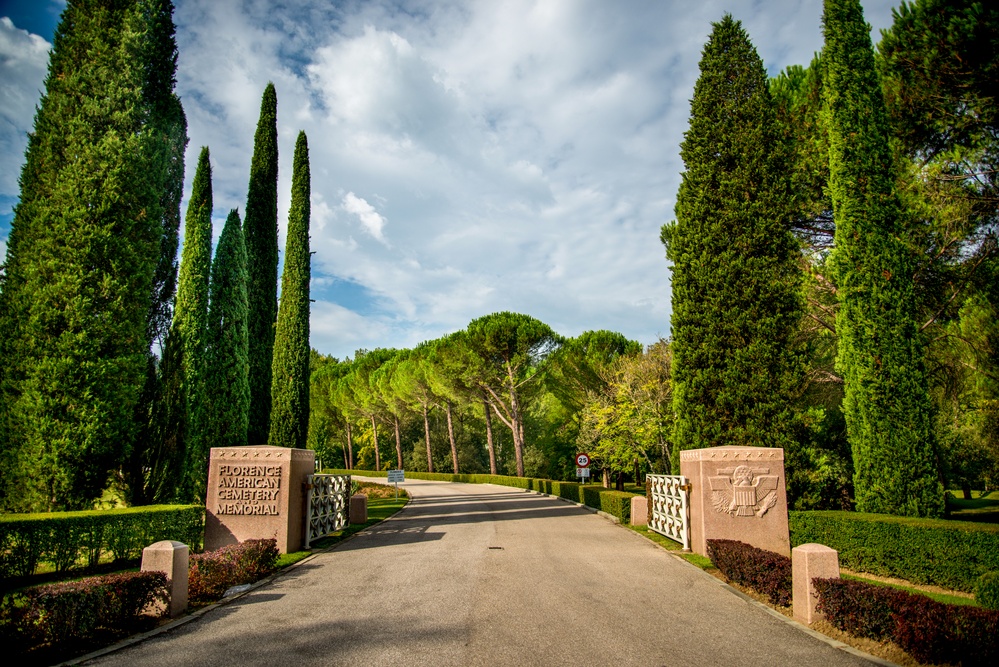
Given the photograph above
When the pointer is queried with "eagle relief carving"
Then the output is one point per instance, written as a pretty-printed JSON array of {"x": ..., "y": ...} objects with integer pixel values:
[{"x": 743, "y": 491}]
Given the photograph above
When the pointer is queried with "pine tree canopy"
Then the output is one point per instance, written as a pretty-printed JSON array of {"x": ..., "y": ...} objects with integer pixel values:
[
  {"x": 261, "y": 233},
  {"x": 886, "y": 404},
  {"x": 290, "y": 383},
  {"x": 735, "y": 279}
]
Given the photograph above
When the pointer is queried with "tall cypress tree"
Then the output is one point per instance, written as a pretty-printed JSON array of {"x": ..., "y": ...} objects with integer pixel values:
[
  {"x": 735, "y": 281},
  {"x": 227, "y": 380},
  {"x": 190, "y": 325},
  {"x": 886, "y": 404},
  {"x": 290, "y": 386},
  {"x": 261, "y": 233},
  {"x": 169, "y": 125},
  {"x": 82, "y": 252}
]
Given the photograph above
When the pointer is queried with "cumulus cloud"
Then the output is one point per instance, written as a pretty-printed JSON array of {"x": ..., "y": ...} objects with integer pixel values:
[
  {"x": 366, "y": 213},
  {"x": 23, "y": 62}
]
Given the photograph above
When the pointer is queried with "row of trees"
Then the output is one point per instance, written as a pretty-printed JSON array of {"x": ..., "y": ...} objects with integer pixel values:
[
  {"x": 114, "y": 370},
  {"x": 834, "y": 256}
]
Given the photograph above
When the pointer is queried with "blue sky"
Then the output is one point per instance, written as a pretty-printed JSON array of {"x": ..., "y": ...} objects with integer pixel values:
[{"x": 467, "y": 157}]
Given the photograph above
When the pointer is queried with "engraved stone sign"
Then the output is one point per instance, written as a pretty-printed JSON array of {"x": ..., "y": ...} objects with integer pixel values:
[
  {"x": 257, "y": 493},
  {"x": 737, "y": 493}
]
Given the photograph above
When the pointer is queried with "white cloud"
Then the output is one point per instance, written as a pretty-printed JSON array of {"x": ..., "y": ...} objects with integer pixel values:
[
  {"x": 23, "y": 63},
  {"x": 372, "y": 222}
]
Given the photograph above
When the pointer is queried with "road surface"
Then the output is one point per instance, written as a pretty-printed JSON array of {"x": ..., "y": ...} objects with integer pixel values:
[{"x": 487, "y": 575}]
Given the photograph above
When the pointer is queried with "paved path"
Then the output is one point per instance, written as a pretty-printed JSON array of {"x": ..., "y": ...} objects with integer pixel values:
[{"x": 487, "y": 575}]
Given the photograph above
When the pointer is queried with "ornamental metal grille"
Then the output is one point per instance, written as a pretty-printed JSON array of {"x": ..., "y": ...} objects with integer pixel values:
[
  {"x": 327, "y": 505},
  {"x": 670, "y": 509}
]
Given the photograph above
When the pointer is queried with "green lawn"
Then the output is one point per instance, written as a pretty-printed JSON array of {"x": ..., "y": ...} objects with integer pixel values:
[{"x": 980, "y": 507}]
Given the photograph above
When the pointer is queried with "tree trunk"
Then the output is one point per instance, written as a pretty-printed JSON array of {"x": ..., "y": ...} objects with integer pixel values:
[
  {"x": 398, "y": 443},
  {"x": 450, "y": 435},
  {"x": 426, "y": 431},
  {"x": 620, "y": 482},
  {"x": 517, "y": 426},
  {"x": 350, "y": 448},
  {"x": 489, "y": 437},
  {"x": 374, "y": 438},
  {"x": 606, "y": 478}
]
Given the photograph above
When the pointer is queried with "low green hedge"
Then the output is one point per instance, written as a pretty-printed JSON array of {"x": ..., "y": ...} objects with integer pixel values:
[
  {"x": 952, "y": 554},
  {"x": 615, "y": 503},
  {"x": 63, "y": 539}
]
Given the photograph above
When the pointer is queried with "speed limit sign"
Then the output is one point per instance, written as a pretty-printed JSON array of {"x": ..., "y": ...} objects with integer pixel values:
[{"x": 582, "y": 460}]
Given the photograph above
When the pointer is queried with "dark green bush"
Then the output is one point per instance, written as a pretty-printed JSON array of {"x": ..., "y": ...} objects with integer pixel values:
[
  {"x": 930, "y": 631},
  {"x": 952, "y": 554},
  {"x": 57, "y": 614},
  {"x": 615, "y": 503},
  {"x": 987, "y": 590},
  {"x": 63, "y": 539},
  {"x": 766, "y": 572},
  {"x": 212, "y": 573}
]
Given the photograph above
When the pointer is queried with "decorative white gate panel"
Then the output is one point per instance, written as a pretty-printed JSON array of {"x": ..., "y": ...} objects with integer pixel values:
[
  {"x": 670, "y": 508},
  {"x": 326, "y": 505}
]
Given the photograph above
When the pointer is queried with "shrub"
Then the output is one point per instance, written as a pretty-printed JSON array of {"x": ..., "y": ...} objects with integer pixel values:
[
  {"x": 766, "y": 572},
  {"x": 58, "y": 614},
  {"x": 952, "y": 554},
  {"x": 212, "y": 573},
  {"x": 987, "y": 590},
  {"x": 928, "y": 630},
  {"x": 64, "y": 538}
]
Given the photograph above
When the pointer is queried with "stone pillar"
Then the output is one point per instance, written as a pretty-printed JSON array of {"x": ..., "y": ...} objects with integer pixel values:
[
  {"x": 257, "y": 493},
  {"x": 810, "y": 561},
  {"x": 639, "y": 511},
  {"x": 171, "y": 558},
  {"x": 358, "y": 508},
  {"x": 737, "y": 493}
]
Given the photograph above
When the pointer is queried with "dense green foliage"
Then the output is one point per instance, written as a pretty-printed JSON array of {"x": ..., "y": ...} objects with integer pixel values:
[
  {"x": 952, "y": 554},
  {"x": 290, "y": 383},
  {"x": 227, "y": 379},
  {"x": 261, "y": 232},
  {"x": 190, "y": 328},
  {"x": 886, "y": 401},
  {"x": 736, "y": 306},
  {"x": 987, "y": 590},
  {"x": 81, "y": 268},
  {"x": 63, "y": 539}
]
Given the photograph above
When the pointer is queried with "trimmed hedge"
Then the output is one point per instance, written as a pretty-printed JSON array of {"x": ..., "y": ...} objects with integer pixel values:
[
  {"x": 78, "y": 611},
  {"x": 212, "y": 573},
  {"x": 615, "y": 503},
  {"x": 766, "y": 572},
  {"x": 952, "y": 554},
  {"x": 930, "y": 631},
  {"x": 65, "y": 538}
]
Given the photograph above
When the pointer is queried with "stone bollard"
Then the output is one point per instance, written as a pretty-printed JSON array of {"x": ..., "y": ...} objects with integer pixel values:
[
  {"x": 171, "y": 558},
  {"x": 358, "y": 508},
  {"x": 639, "y": 511},
  {"x": 810, "y": 561}
]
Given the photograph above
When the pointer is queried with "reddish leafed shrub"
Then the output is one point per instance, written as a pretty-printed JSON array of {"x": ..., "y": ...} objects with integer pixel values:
[
  {"x": 766, "y": 572},
  {"x": 212, "y": 573},
  {"x": 59, "y": 614},
  {"x": 928, "y": 630}
]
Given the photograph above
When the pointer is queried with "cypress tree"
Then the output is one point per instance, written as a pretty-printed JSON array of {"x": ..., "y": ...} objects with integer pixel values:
[
  {"x": 227, "y": 379},
  {"x": 190, "y": 324},
  {"x": 735, "y": 283},
  {"x": 261, "y": 233},
  {"x": 886, "y": 403},
  {"x": 79, "y": 272},
  {"x": 290, "y": 387}
]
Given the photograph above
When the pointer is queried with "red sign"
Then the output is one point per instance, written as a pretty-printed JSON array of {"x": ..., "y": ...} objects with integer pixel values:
[{"x": 582, "y": 460}]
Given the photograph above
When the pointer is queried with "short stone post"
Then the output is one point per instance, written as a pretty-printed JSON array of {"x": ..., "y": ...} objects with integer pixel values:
[
  {"x": 639, "y": 511},
  {"x": 358, "y": 508},
  {"x": 171, "y": 558},
  {"x": 808, "y": 562}
]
